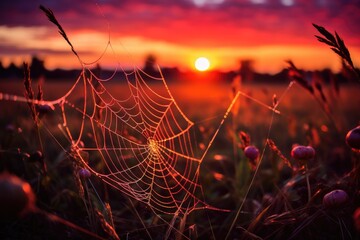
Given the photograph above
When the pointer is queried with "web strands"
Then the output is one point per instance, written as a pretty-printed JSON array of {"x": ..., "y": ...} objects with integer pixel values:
[{"x": 140, "y": 144}]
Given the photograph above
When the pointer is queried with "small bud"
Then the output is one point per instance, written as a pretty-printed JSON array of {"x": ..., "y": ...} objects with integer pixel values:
[
  {"x": 335, "y": 198},
  {"x": 251, "y": 152},
  {"x": 36, "y": 157},
  {"x": 81, "y": 144},
  {"x": 275, "y": 100},
  {"x": 353, "y": 138},
  {"x": 84, "y": 173},
  {"x": 43, "y": 109},
  {"x": 303, "y": 153}
]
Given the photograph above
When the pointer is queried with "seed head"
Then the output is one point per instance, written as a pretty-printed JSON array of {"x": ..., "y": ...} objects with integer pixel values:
[
  {"x": 251, "y": 152},
  {"x": 335, "y": 199},
  {"x": 84, "y": 173},
  {"x": 43, "y": 109},
  {"x": 303, "y": 153}
]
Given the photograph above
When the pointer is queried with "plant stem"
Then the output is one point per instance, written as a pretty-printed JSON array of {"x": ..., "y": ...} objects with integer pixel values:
[{"x": 307, "y": 182}]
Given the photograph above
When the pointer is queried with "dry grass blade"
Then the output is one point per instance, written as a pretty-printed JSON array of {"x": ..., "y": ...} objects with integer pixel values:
[
  {"x": 40, "y": 94},
  {"x": 106, "y": 226},
  {"x": 258, "y": 221},
  {"x": 52, "y": 19},
  {"x": 321, "y": 92},
  {"x": 323, "y": 40},
  {"x": 326, "y": 34},
  {"x": 276, "y": 150},
  {"x": 297, "y": 76},
  {"x": 29, "y": 93},
  {"x": 337, "y": 45},
  {"x": 245, "y": 139},
  {"x": 249, "y": 235},
  {"x": 344, "y": 49}
]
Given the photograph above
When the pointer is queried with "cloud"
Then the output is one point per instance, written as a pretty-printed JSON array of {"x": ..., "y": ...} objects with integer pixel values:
[
  {"x": 226, "y": 22},
  {"x": 206, "y": 24}
]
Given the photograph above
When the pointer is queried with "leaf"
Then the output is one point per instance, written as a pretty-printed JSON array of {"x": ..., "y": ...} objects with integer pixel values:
[
  {"x": 340, "y": 42},
  {"x": 298, "y": 77},
  {"x": 344, "y": 49},
  {"x": 337, "y": 45},
  {"x": 323, "y": 40},
  {"x": 51, "y": 17},
  {"x": 337, "y": 51}
]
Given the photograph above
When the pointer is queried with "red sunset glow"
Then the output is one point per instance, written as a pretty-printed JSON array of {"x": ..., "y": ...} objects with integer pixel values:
[{"x": 178, "y": 32}]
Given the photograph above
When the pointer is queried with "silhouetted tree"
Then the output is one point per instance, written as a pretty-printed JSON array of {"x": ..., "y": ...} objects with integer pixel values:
[
  {"x": 246, "y": 69},
  {"x": 13, "y": 71},
  {"x": 37, "y": 67},
  {"x": 150, "y": 64},
  {"x": 2, "y": 70}
]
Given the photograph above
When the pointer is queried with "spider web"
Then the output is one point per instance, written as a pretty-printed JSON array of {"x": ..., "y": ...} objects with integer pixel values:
[
  {"x": 137, "y": 141},
  {"x": 142, "y": 142}
]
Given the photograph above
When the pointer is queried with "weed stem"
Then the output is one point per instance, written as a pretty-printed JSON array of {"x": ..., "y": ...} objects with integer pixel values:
[{"x": 308, "y": 183}]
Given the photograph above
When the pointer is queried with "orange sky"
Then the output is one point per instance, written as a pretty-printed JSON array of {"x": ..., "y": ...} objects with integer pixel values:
[{"x": 225, "y": 31}]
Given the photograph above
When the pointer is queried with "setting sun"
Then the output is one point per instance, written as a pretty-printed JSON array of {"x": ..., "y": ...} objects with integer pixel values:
[{"x": 202, "y": 64}]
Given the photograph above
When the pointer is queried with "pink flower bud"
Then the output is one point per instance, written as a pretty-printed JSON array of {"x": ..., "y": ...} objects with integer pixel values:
[
  {"x": 84, "y": 173},
  {"x": 335, "y": 198},
  {"x": 36, "y": 157},
  {"x": 353, "y": 138},
  {"x": 303, "y": 153},
  {"x": 251, "y": 152}
]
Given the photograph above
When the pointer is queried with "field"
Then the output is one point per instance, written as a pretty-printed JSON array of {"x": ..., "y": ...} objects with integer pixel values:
[{"x": 262, "y": 198}]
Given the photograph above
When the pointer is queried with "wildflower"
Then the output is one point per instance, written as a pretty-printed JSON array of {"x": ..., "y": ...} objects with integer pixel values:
[
  {"x": 251, "y": 152},
  {"x": 335, "y": 198},
  {"x": 84, "y": 173},
  {"x": 303, "y": 153}
]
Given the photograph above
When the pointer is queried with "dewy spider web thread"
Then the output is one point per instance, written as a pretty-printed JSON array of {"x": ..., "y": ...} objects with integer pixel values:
[{"x": 143, "y": 142}]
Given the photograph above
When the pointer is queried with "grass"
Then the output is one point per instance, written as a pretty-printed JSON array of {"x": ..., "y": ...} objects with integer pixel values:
[{"x": 277, "y": 198}]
